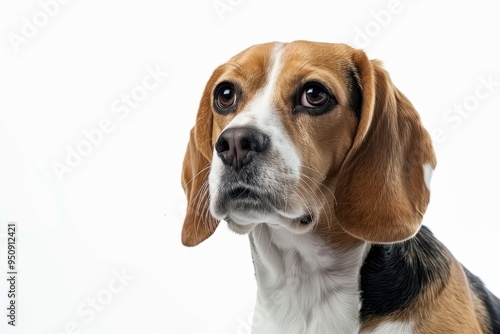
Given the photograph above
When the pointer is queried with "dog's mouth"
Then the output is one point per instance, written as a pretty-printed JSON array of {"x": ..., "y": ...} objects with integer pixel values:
[
  {"x": 238, "y": 195},
  {"x": 264, "y": 192},
  {"x": 244, "y": 206},
  {"x": 306, "y": 219},
  {"x": 299, "y": 225},
  {"x": 242, "y": 193}
]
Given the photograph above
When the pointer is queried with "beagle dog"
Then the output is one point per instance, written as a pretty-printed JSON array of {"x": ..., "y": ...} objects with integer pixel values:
[{"x": 311, "y": 150}]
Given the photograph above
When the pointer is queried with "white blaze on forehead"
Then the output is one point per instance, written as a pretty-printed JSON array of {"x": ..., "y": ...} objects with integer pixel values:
[
  {"x": 261, "y": 113},
  {"x": 260, "y": 109}
]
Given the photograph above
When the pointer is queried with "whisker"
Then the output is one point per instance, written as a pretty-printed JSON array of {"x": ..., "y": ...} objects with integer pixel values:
[
  {"x": 313, "y": 169},
  {"x": 200, "y": 196},
  {"x": 313, "y": 194},
  {"x": 304, "y": 164},
  {"x": 318, "y": 184},
  {"x": 198, "y": 174},
  {"x": 301, "y": 197},
  {"x": 201, "y": 201}
]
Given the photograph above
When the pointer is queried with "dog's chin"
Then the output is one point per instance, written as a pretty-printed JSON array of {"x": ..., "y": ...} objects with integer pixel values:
[
  {"x": 239, "y": 229},
  {"x": 300, "y": 225},
  {"x": 243, "y": 208}
]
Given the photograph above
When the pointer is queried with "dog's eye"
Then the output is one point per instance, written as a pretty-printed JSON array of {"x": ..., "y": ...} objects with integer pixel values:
[
  {"x": 225, "y": 97},
  {"x": 314, "y": 95},
  {"x": 314, "y": 99}
]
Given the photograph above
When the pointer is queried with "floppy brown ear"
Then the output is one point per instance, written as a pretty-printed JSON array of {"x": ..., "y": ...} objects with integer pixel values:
[
  {"x": 198, "y": 223},
  {"x": 381, "y": 191}
]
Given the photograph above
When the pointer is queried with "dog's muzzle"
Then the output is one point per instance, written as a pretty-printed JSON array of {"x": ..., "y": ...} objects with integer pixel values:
[
  {"x": 241, "y": 151},
  {"x": 251, "y": 182}
]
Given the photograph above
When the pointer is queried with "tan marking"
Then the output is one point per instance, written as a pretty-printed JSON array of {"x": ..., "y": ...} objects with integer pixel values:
[
  {"x": 451, "y": 310},
  {"x": 441, "y": 310}
]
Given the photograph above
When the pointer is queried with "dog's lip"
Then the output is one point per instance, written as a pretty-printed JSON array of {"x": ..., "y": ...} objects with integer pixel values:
[
  {"x": 242, "y": 192},
  {"x": 306, "y": 219},
  {"x": 243, "y": 205}
]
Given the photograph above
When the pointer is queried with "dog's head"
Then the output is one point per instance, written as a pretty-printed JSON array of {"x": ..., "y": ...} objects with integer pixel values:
[{"x": 305, "y": 134}]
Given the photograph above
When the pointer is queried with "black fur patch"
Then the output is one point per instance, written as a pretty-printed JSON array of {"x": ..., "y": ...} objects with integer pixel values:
[
  {"x": 491, "y": 302},
  {"x": 393, "y": 276},
  {"x": 356, "y": 92}
]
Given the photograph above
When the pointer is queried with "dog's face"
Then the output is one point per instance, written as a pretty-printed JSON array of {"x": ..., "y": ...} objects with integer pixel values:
[
  {"x": 283, "y": 121},
  {"x": 305, "y": 135}
]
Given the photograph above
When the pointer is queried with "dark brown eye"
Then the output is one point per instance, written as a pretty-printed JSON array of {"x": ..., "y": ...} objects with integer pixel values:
[
  {"x": 314, "y": 95},
  {"x": 314, "y": 99},
  {"x": 225, "y": 97}
]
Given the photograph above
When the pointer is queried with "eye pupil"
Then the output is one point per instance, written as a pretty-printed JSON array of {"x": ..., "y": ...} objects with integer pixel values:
[{"x": 227, "y": 95}]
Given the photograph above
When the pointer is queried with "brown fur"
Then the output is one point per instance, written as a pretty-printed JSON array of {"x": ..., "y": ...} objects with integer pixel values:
[
  {"x": 449, "y": 311},
  {"x": 199, "y": 224}
]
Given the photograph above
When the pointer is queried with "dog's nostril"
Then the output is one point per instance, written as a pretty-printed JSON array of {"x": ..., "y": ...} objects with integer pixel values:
[
  {"x": 245, "y": 144},
  {"x": 259, "y": 142},
  {"x": 222, "y": 145}
]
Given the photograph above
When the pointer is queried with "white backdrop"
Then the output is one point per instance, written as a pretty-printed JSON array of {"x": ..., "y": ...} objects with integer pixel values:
[{"x": 96, "y": 102}]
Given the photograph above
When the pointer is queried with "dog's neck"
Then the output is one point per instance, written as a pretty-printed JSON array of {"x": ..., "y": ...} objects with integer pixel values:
[{"x": 304, "y": 285}]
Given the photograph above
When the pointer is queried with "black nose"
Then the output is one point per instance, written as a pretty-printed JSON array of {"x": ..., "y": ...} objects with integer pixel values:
[{"x": 237, "y": 146}]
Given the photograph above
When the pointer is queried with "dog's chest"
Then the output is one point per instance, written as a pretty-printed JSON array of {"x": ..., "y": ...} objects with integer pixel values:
[{"x": 303, "y": 285}]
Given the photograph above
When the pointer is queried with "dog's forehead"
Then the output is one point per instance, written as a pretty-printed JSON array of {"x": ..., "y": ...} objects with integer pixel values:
[{"x": 254, "y": 62}]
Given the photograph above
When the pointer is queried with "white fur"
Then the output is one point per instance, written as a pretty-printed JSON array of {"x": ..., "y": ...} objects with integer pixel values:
[
  {"x": 304, "y": 287},
  {"x": 428, "y": 170},
  {"x": 397, "y": 327}
]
